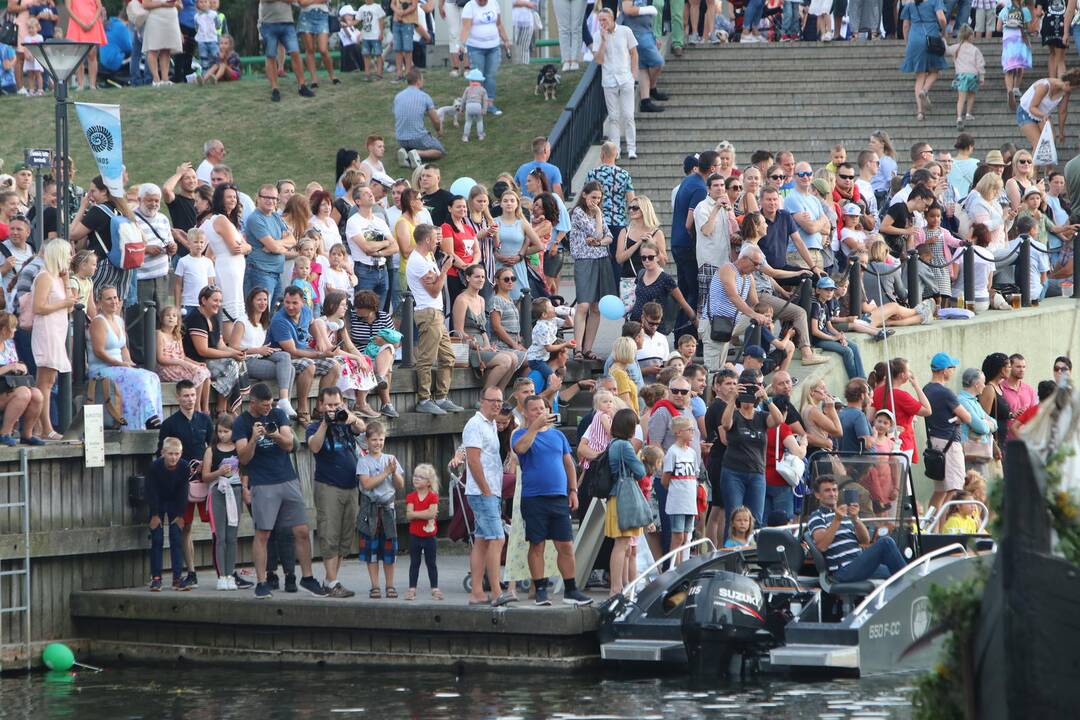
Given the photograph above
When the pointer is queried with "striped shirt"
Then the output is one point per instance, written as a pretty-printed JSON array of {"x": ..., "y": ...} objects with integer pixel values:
[
  {"x": 844, "y": 547},
  {"x": 361, "y": 331},
  {"x": 719, "y": 304}
]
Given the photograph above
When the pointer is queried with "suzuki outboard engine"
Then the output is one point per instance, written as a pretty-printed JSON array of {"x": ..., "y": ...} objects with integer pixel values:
[{"x": 723, "y": 619}]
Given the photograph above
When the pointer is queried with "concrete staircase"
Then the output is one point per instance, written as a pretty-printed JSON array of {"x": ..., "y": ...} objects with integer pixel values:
[{"x": 806, "y": 97}]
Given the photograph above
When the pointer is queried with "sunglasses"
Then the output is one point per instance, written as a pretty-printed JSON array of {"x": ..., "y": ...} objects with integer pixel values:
[
  {"x": 776, "y": 177},
  {"x": 1023, "y": 162},
  {"x": 680, "y": 391},
  {"x": 735, "y": 187},
  {"x": 635, "y": 207},
  {"x": 1061, "y": 368},
  {"x": 804, "y": 174},
  {"x": 647, "y": 258},
  {"x": 507, "y": 278},
  {"x": 846, "y": 177}
]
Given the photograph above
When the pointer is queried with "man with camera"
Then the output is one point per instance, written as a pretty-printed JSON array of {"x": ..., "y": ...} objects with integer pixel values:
[
  {"x": 264, "y": 440},
  {"x": 840, "y": 534},
  {"x": 332, "y": 441}
]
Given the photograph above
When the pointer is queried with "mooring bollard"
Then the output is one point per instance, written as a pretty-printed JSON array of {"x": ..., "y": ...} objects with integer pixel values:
[{"x": 914, "y": 287}]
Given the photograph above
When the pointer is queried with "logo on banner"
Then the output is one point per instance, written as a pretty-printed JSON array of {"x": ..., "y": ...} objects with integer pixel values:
[
  {"x": 100, "y": 139},
  {"x": 101, "y": 126}
]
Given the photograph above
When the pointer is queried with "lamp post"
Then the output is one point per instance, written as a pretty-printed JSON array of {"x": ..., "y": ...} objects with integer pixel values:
[{"x": 60, "y": 58}]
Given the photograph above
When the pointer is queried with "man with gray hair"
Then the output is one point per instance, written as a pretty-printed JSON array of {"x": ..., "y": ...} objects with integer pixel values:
[
  {"x": 153, "y": 280},
  {"x": 615, "y": 51},
  {"x": 731, "y": 295},
  {"x": 213, "y": 154}
]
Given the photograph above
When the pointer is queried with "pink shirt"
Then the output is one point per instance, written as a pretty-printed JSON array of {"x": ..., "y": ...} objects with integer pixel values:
[{"x": 1019, "y": 398}]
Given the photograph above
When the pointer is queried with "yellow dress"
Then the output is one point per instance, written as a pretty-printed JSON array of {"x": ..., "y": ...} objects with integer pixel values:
[{"x": 624, "y": 385}]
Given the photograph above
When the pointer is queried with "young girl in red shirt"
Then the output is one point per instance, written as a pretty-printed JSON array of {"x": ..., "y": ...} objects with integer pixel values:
[{"x": 421, "y": 509}]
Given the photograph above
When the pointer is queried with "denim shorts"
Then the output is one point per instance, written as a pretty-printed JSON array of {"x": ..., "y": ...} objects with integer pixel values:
[
  {"x": 371, "y": 47},
  {"x": 1023, "y": 117},
  {"x": 313, "y": 21},
  {"x": 682, "y": 523},
  {"x": 485, "y": 509},
  {"x": 282, "y": 33},
  {"x": 403, "y": 33},
  {"x": 647, "y": 53}
]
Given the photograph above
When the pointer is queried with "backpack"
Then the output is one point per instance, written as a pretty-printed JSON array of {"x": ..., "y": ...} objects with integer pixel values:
[
  {"x": 597, "y": 480},
  {"x": 128, "y": 245}
]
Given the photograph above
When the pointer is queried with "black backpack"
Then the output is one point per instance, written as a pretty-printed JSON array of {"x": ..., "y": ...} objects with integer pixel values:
[{"x": 597, "y": 480}]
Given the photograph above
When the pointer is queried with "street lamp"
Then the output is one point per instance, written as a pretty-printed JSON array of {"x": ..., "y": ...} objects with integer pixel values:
[{"x": 60, "y": 58}]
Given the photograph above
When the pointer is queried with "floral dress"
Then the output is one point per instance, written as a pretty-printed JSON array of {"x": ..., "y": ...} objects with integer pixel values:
[
  {"x": 173, "y": 349},
  {"x": 140, "y": 390}
]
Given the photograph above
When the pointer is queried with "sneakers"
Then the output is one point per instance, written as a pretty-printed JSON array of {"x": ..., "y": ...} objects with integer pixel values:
[
  {"x": 223, "y": 583},
  {"x": 925, "y": 309},
  {"x": 576, "y": 597},
  {"x": 240, "y": 583},
  {"x": 339, "y": 591},
  {"x": 180, "y": 585},
  {"x": 290, "y": 582},
  {"x": 155, "y": 584},
  {"x": 192, "y": 580},
  {"x": 310, "y": 584},
  {"x": 285, "y": 406},
  {"x": 694, "y": 40},
  {"x": 541, "y": 598},
  {"x": 503, "y": 599},
  {"x": 389, "y": 411},
  {"x": 494, "y": 111},
  {"x": 882, "y": 334},
  {"x": 230, "y": 583},
  {"x": 464, "y": 138},
  {"x": 272, "y": 581},
  {"x": 631, "y": 154},
  {"x": 262, "y": 591},
  {"x": 648, "y": 106},
  {"x": 960, "y": 124},
  {"x": 449, "y": 405},
  {"x": 305, "y": 91},
  {"x": 415, "y": 159},
  {"x": 403, "y": 157},
  {"x": 566, "y": 67},
  {"x": 429, "y": 406},
  {"x": 275, "y": 95},
  {"x": 968, "y": 117}
]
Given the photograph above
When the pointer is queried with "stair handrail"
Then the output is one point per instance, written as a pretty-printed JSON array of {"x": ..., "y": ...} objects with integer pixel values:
[{"x": 579, "y": 125}]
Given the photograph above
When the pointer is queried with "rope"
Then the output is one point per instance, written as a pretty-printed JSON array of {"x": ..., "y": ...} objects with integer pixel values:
[
  {"x": 871, "y": 271},
  {"x": 935, "y": 265}
]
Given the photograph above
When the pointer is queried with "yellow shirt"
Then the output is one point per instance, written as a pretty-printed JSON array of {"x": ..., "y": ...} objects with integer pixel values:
[
  {"x": 962, "y": 525},
  {"x": 625, "y": 386},
  {"x": 410, "y": 226}
]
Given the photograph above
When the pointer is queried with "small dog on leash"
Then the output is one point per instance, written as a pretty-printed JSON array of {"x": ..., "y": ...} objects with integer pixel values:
[
  {"x": 455, "y": 110},
  {"x": 548, "y": 80}
]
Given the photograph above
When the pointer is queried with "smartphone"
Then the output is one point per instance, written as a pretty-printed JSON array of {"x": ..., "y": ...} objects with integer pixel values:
[
  {"x": 554, "y": 419},
  {"x": 851, "y": 496}
]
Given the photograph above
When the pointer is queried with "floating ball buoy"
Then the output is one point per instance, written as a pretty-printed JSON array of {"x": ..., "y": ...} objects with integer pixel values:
[{"x": 58, "y": 656}]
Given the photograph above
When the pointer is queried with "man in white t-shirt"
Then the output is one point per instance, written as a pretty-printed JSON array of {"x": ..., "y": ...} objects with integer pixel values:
[
  {"x": 153, "y": 281},
  {"x": 654, "y": 350},
  {"x": 213, "y": 154},
  {"x": 370, "y": 244},
  {"x": 615, "y": 50},
  {"x": 426, "y": 281}
]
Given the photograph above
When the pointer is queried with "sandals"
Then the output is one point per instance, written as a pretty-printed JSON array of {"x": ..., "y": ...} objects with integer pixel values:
[
  {"x": 374, "y": 593},
  {"x": 586, "y": 355},
  {"x": 304, "y": 419},
  {"x": 436, "y": 594},
  {"x": 410, "y": 594},
  {"x": 391, "y": 592}
]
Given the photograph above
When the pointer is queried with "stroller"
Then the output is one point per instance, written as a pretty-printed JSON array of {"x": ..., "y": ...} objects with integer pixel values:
[{"x": 463, "y": 525}]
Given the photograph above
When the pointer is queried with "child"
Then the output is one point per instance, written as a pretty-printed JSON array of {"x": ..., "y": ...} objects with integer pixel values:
[
  {"x": 167, "y": 496},
  {"x": 741, "y": 532},
  {"x": 652, "y": 457},
  {"x": 1030, "y": 207},
  {"x": 172, "y": 363},
  {"x": 227, "y": 65},
  {"x": 380, "y": 478},
  {"x": 301, "y": 273},
  {"x": 339, "y": 276},
  {"x": 221, "y": 466},
  {"x": 852, "y": 237},
  {"x": 828, "y": 338},
  {"x": 32, "y": 70},
  {"x": 970, "y": 74},
  {"x": 880, "y": 480},
  {"x": 680, "y": 479},
  {"x": 370, "y": 17},
  {"x": 193, "y": 272},
  {"x": 421, "y": 509},
  {"x": 687, "y": 347},
  {"x": 206, "y": 35},
  {"x": 941, "y": 244},
  {"x": 962, "y": 518},
  {"x": 83, "y": 266},
  {"x": 778, "y": 350},
  {"x": 1013, "y": 22},
  {"x": 545, "y": 337},
  {"x": 7, "y": 70},
  {"x": 1040, "y": 264},
  {"x": 837, "y": 157},
  {"x": 474, "y": 103},
  {"x": 349, "y": 37}
]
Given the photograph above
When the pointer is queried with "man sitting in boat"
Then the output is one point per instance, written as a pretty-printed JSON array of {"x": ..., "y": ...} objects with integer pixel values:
[{"x": 842, "y": 537}]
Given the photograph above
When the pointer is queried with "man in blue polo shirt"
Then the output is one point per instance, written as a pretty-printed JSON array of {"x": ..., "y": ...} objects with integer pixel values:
[
  {"x": 270, "y": 239},
  {"x": 691, "y": 191},
  {"x": 548, "y": 496},
  {"x": 838, "y": 532},
  {"x": 289, "y": 332}
]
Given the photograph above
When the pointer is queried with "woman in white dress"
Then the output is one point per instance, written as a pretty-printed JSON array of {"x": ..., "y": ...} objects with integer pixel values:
[
  {"x": 161, "y": 37},
  {"x": 225, "y": 239}
]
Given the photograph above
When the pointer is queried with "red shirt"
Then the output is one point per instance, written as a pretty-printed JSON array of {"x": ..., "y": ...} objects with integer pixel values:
[
  {"x": 906, "y": 408},
  {"x": 466, "y": 246},
  {"x": 416, "y": 527},
  {"x": 771, "y": 476}
]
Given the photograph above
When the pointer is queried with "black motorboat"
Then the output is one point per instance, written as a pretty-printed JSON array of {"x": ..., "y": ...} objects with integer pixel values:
[{"x": 776, "y": 607}]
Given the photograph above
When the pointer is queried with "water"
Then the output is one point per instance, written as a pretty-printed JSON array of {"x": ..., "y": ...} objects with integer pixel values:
[{"x": 163, "y": 692}]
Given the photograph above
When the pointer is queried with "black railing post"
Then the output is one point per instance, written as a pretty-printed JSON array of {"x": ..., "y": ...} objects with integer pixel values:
[
  {"x": 78, "y": 347},
  {"x": 914, "y": 287},
  {"x": 806, "y": 295},
  {"x": 855, "y": 288},
  {"x": 969, "y": 276},
  {"x": 1023, "y": 271},
  {"x": 1076, "y": 268},
  {"x": 408, "y": 329},
  {"x": 148, "y": 311},
  {"x": 525, "y": 316}
]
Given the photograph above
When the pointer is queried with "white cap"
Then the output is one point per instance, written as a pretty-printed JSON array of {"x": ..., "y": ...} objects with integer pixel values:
[{"x": 346, "y": 10}]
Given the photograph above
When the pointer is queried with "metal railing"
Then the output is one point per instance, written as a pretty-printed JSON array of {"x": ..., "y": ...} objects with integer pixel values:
[
  {"x": 922, "y": 562},
  {"x": 579, "y": 125},
  {"x": 631, "y": 590}
]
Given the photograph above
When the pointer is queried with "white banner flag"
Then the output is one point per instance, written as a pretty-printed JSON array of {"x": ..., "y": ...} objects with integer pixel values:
[{"x": 101, "y": 125}]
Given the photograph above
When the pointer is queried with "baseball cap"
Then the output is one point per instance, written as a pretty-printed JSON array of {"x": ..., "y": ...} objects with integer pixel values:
[
  {"x": 754, "y": 351},
  {"x": 383, "y": 179},
  {"x": 886, "y": 411},
  {"x": 19, "y": 167},
  {"x": 689, "y": 163},
  {"x": 346, "y": 10},
  {"x": 825, "y": 283},
  {"x": 852, "y": 209},
  {"x": 821, "y": 185},
  {"x": 942, "y": 360}
]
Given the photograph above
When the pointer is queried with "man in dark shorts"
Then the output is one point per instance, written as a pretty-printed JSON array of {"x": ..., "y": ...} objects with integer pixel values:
[
  {"x": 264, "y": 439},
  {"x": 548, "y": 496}
]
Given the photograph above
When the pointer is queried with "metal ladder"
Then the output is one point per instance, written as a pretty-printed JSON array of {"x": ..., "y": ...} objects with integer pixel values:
[{"x": 19, "y": 576}]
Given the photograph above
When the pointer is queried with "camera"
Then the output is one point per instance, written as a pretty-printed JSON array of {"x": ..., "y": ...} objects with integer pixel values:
[
  {"x": 340, "y": 416},
  {"x": 747, "y": 394},
  {"x": 270, "y": 426}
]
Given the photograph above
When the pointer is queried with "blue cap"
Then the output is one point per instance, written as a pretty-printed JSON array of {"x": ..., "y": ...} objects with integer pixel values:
[
  {"x": 754, "y": 351},
  {"x": 475, "y": 74},
  {"x": 941, "y": 360},
  {"x": 825, "y": 283}
]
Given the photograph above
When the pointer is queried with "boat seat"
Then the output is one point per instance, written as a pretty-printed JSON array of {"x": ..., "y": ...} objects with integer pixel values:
[
  {"x": 779, "y": 549},
  {"x": 844, "y": 590}
]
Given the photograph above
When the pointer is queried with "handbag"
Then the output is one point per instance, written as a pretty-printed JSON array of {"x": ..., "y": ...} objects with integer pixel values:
[
  {"x": 978, "y": 452},
  {"x": 630, "y": 504},
  {"x": 9, "y": 31},
  {"x": 10, "y": 381},
  {"x": 461, "y": 352},
  {"x": 720, "y": 328},
  {"x": 935, "y": 45},
  {"x": 791, "y": 467}
]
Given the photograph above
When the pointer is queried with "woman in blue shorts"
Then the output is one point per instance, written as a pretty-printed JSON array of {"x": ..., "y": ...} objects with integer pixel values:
[{"x": 313, "y": 25}]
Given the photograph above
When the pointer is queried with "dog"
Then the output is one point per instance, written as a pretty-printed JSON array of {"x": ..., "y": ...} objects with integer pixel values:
[
  {"x": 455, "y": 110},
  {"x": 548, "y": 80}
]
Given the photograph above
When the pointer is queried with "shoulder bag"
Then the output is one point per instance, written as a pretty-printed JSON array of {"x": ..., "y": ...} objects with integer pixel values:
[
  {"x": 630, "y": 504},
  {"x": 934, "y": 459},
  {"x": 9, "y": 31},
  {"x": 597, "y": 478},
  {"x": 720, "y": 327},
  {"x": 790, "y": 467}
]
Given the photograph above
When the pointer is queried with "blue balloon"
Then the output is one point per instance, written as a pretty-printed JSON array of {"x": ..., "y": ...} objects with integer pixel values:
[
  {"x": 612, "y": 308},
  {"x": 462, "y": 186}
]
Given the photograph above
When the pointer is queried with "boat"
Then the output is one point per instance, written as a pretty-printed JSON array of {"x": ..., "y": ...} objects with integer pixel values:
[{"x": 775, "y": 607}]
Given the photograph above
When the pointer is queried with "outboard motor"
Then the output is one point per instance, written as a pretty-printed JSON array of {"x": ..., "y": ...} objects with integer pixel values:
[{"x": 723, "y": 618}]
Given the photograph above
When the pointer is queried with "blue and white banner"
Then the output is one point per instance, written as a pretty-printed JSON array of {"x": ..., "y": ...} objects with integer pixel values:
[{"x": 101, "y": 125}]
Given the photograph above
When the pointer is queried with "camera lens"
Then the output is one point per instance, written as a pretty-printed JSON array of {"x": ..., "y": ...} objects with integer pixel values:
[
  {"x": 271, "y": 426},
  {"x": 341, "y": 415}
]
